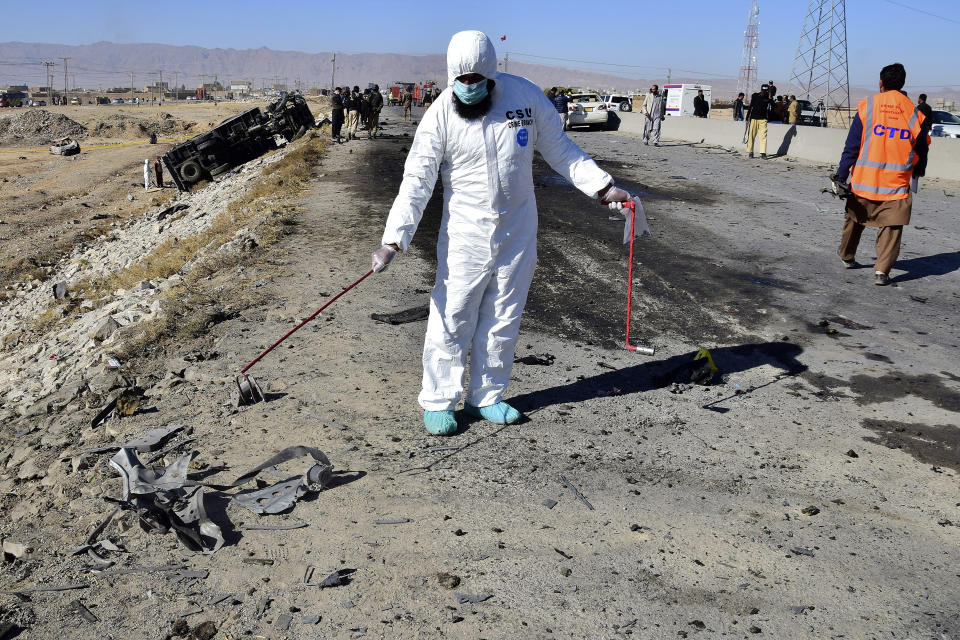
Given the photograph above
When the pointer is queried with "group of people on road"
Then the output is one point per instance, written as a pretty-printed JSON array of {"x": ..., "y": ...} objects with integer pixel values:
[
  {"x": 486, "y": 249},
  {"x": 356, "y": 110}
]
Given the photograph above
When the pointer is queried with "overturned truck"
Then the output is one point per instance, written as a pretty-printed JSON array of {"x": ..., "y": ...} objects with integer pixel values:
[{"x": 238, "y": 139}]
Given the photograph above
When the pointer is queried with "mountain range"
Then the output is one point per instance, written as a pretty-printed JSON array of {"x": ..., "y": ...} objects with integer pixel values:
[{"x": 106, "y": 64}]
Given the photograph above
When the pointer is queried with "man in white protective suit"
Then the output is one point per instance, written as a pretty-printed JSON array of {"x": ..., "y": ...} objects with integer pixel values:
[{"x": 480, "y": 135}]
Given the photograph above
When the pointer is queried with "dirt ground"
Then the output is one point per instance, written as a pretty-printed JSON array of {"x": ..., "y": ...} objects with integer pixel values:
[{"x": 810, "y": 490}]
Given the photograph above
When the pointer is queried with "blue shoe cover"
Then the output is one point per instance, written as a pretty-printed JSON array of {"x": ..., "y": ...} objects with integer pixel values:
[
  {"x": 440, "y": 423},
  {"x": 500, "y": 413}
]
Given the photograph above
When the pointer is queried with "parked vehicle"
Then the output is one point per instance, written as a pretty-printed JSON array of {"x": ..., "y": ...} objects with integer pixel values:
[
  {"x": 617, "y": 102},
  {"x": 810, "y": 115},
  {"x": 586, "y": 109},
  {"x": 65, "y": 147},
  {"x": 945, "y": 125},
  {"x": 238, "y": 139},
  {"x": 117, "y": 101}
]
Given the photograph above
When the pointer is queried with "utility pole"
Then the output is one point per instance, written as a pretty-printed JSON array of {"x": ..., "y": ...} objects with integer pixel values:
[
  {"x": 131, "y": 86},
  {"x": 506, "y": 61},
  {"x": 333, "y": 70},
  {"x": 161, "y": 85},
  {"x": 176, "y": 84},
  {"x": 49, "y": 65},
  {"x": 820, "y": 66},
  {"x": 64, "y": 78},
  {"x": 749, "y": 74},
  {"x": 668, "y": 75}
]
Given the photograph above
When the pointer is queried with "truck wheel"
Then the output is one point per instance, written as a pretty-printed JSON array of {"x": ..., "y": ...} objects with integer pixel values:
[{"x": 190, "y": 171}]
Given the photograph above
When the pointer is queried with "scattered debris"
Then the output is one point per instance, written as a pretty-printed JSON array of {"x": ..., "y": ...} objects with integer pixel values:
[
  {"x": 66, "y": 587},
  {"x": 274, "y": 527},
  {"x": 15, "y": 550},
  {"x": 563, "y": 553},
  {"x": 78, "y": 607},
  {"x": 393, "y": 521},
  {"x": 283, "y": 622},
  {"x": 335, "y": 579},
  {"x": 402, "y": 317},
  {"x": 154, "y": 438},
  {"x": 549, "y": 504},
  {"x": 448, "y": 580},
  {"x": 846, "y": 322},
  {"x": 810, "y": 511},
  {"x": 576, "y": 492},
  {"x": 261, "y": 561},
  {"x": 60, "y": 291},
  {"x": 464, "y": 598},
  {"x": 565, "y": 572},
  {"x": 851, "y": 454},
  {"x": 800, "y": 551},
  {"x": 282, "y": 496},
  {"x": 167, "y": 499}
]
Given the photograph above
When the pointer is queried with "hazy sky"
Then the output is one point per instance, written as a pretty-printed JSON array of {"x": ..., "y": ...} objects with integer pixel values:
[{"x": 703, "y": 36}]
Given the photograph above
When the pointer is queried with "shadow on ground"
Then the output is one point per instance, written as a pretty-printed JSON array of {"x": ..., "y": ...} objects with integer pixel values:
[
  {"x": 654, "y": 374},
  {"x": 936, "y": 265}
]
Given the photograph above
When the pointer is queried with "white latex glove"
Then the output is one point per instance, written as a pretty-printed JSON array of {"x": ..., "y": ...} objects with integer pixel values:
[
  {"x": 615, "y": 197},
  {"x": 382, "y": 258}
]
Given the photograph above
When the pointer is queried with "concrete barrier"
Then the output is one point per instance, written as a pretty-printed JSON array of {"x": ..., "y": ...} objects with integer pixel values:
[{"x": 815, "y": 144}]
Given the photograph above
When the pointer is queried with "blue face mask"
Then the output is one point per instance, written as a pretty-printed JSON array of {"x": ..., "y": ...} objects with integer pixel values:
[{"x": 470, "y": 93}]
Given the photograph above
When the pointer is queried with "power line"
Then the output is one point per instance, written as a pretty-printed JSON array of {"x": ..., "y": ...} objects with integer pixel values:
[{"x": 933, "y": 15}]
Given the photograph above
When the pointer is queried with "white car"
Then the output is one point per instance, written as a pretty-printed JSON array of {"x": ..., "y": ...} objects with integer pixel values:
[
  {"x": 587, "y": 109},
  {"x": 617, "y": 102},
  {"x": 945, "y": 125}
]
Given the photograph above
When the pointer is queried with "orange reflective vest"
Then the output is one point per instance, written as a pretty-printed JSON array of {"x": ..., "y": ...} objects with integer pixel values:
[{"x": 891, "y": 125}]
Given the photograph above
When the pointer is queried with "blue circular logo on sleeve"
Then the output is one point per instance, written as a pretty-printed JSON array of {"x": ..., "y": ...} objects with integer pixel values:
[{"x": 522, "y": 137}]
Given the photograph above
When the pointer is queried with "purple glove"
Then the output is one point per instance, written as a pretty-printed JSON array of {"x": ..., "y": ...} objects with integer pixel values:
[{"x": 382, "y": 258}]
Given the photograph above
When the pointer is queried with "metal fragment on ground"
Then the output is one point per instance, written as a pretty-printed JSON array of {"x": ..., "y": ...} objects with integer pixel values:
[
  {"x": 463, "y": 598},
  {"x": 402, "y": 317},
  {"x": 800, "y": 551},
  {"x": 549, "y": 504},
  {"x": 283, "y": 622},
  {"x": 66, "y": 587},
  {"x": 274, "y": 527},
  {"x": 78, "y": 607},
  {"x": 576, "y": 492},
  {"x": 154, "y": 438},
  {"x": 167, "y": 500},
  {"x": 283, "y": 495},
  {"x": 393, "y": 521},
  {"x": 335, "y": 579}
]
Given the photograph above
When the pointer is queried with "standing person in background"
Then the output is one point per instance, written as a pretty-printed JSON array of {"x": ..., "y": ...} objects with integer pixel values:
[
  {"x": 926, "y": 110},
  {"x": 365, "y": 109},
  {"x": 336, "y": 116},
  {"x": 793, "y": 111},
  {"x": 886, "y": 149},
  {"x": 777, "y": 111},
  {"x": 353, "y": 113},
  {"x": 771, "y": 91},
  {"x": 407, "y": 103},
  {"x": 427, "y": 97},
  {"x": 654, "y": 110},
  {"x": 376, "y": 105},
  {"x": 757, "y": 116},
  {"x": 560, "y": 102},
  {"x": 738, "y": 108},
  {"x": 700, "y": 106}
]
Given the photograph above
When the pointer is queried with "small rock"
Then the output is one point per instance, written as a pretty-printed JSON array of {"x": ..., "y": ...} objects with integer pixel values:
[
  {"x": 755, "y": 629},
  {"x": 60, "y": 290},
  {"x": 565, "y": 572},
  {"x": 204, "y": 631},
  {"x": 697, "y": 624},
  {"x": 13, "y": 550},
  {"x": 851, "y": 454},
  {"x": 131, "y": 197},
  {"x": 810, "y": 511},
  {"x": 104, "y": 329},
  {"x": 448, "y": 580}
]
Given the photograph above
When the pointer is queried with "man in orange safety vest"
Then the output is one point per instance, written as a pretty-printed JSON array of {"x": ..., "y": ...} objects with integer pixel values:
[{"x": 885, "y": 153}]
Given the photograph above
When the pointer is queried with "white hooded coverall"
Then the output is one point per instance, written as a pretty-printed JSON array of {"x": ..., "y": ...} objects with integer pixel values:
[{"x": 486, "y": 251}]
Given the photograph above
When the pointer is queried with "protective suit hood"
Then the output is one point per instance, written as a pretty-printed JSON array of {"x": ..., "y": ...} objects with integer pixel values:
[{"x": 470, "y": 52}]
